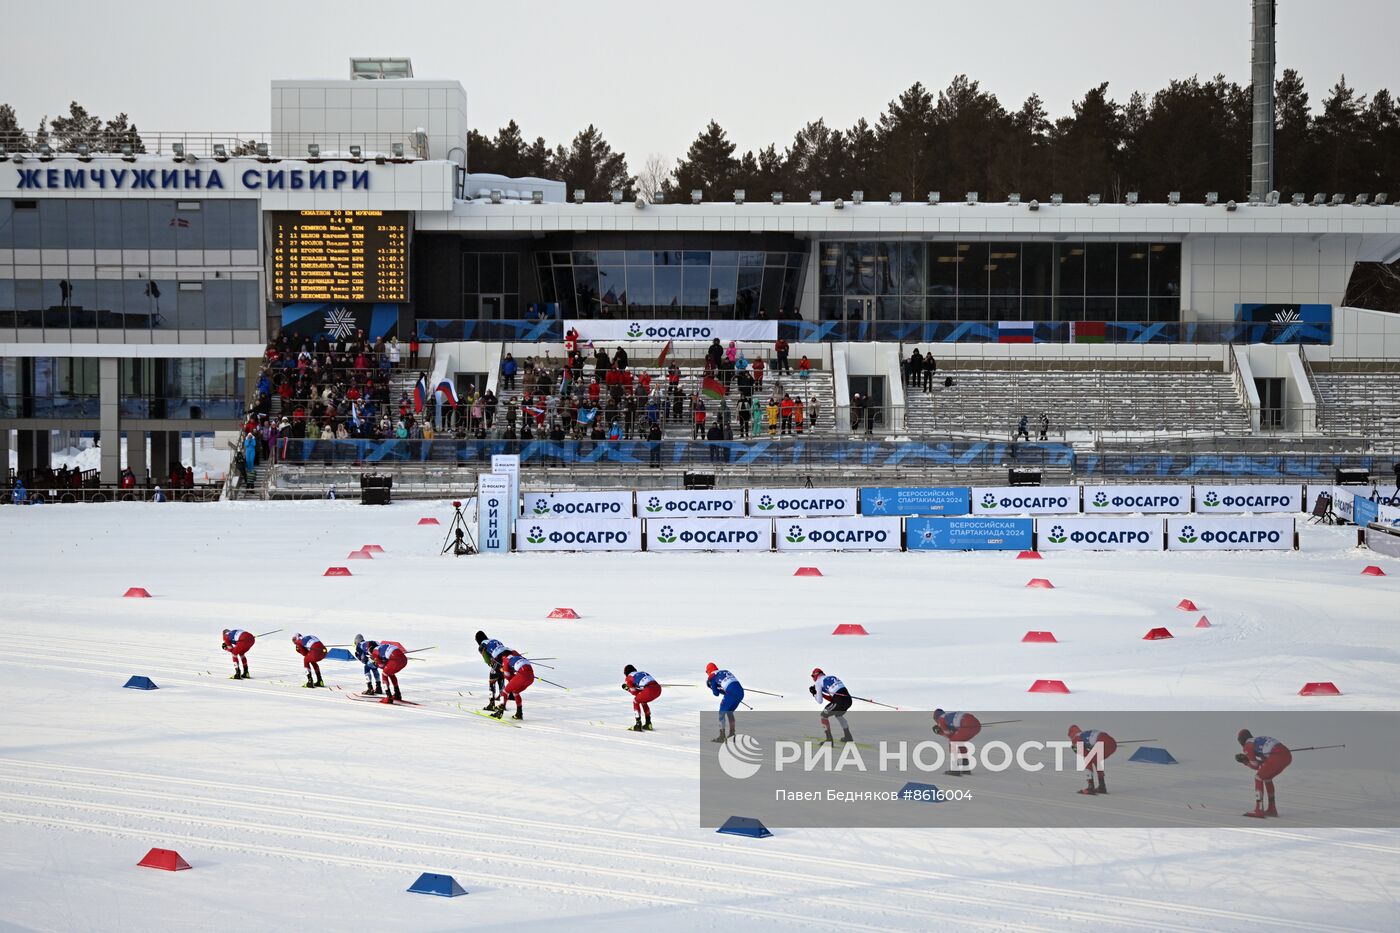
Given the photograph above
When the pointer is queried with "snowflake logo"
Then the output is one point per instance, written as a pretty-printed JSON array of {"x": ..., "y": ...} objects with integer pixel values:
[
  {"x": 667, "y": 535},
  {"x": 541, "y": 506},
  {"x": 765, "y": 503},
  {"x": 634, "y": 329},
  {"x": 989, "y": 501},
  {"x": 1100, "y": 500},
  {"x": 1211, "y": 500},
  {"x": 536, "y": 535},
  {"x": 1057, "y": 534},
  {"x": 795, "y": 535},
  {"x": 878, "y": 504},
  {"x": 1188, "y": 535},
  {"x": 653, "y": 504},
  {"x": 339, "y": 322}
]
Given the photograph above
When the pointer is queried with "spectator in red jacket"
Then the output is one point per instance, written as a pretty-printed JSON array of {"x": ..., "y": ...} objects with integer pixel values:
[
  {"x": 758, "y": 367},
  {"x": 785, "y": 408},
  {"x": 780, "y": 350}
]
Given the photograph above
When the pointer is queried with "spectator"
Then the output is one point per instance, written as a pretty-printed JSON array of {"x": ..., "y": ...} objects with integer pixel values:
[
  {"x": 755, "y": 416},
  {"x": 697, "y": 407},
  {"x": 785, "y": 412},
  {"x": 857, "y": 410},
  {"x": 654, "y": 442},
  {"x": 745, "y": 416},
  {"x": 804, "y": 367},
  {"x": 615, "y": 431},
  {"x": 508, "y": 370},
  {"x": 758, "y": 367},
  {"x": 715, "y": 435},
  {"x": 1022, "y": 429},
  {"x": 798, "y": 414},
  {"x": 930, "y": 370},
  {"x": 731, "y": 352},
  {"x": 1044, "y": 426},
  {"x": 780, "y": 351},
  {"x": 771, "y": 416},
  {"x": 413, "y": 351},
  {"x": 916, "y": 368},
  {"x": 713, "y": 354},
  {"x": 812, "y": 410},
  {"x": 620, "y": 358}
]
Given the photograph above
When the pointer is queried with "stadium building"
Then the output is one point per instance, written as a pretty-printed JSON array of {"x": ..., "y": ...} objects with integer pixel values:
[{"x": 138, "y": 292}]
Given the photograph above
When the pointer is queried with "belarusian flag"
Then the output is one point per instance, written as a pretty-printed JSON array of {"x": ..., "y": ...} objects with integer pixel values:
[
  {"x": 712, "y": 388},
  {"x": 665, "y": 351},
  {"x": 1086, "y": 332}
]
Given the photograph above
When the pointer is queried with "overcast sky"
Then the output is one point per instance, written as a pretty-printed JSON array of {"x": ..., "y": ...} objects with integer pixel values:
[{"x": 650, "y": 75}]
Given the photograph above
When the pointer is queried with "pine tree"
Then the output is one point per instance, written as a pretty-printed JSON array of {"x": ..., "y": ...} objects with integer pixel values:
[
  {"x": 589, "y": 163},
  {"x": 12, "y": 137},
  {"x": 904, "y": 132},
  {"x": 77, "y": 128},
  {"x": 709, "y": 165},
  {"x": 508, "y": 150}
]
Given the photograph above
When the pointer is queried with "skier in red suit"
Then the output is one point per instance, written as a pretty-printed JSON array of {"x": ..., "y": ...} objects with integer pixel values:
[
  {"x": 312, "y": 652},
  {"x": 644, "y": 689},
  {"x": 390, "y": 658},
  {"x": 1084, "y": 741},
  {"x": 237, "y": 642},
  {"x": 519, "y": 674},
  {"x": 1266, "y": 757},
  {"x": 957, "y": 728}
]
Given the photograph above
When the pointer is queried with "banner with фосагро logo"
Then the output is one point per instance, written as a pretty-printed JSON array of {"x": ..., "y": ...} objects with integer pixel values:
[
  {"x": 1229, "y": 533},
  {"x": 597, "y": 329},
  {"x": 578, "y": 534},
  {"x": 710, "y": 534},
  {"x": 839, "y": 534},
  {"x": 697, "y": 503},
  {"x": 773, "y": 503},
  {"x": 1025, "y": 500},
  {"x": 1090, "y": 533},
  {"x": 586, "y": 504},
  {"x": 1251, "y": 497},
  {"x": 1109, "y": 500}
]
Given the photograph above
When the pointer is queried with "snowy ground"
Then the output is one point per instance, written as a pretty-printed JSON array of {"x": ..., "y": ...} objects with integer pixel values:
[{"x": 300, "y": 810}]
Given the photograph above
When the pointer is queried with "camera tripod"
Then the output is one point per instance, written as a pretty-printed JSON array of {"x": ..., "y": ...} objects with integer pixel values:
[{"x": 459, "y": 538}]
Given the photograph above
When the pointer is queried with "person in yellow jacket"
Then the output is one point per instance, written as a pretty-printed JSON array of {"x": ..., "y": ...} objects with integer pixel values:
[{"x": 771, "y": 414}]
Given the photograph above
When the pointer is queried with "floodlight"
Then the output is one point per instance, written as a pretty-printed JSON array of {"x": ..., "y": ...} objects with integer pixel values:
[
  {"x": 640, "y": 204},
  {"x": 1131, "y": 198},
  {"x": 313, "y": 150},
  {"x": 45, "y": 152},
  {"x": 1319, "y": 199},
  {"x": 220, "y": 152},
  {"x": 896, "y": 198},
  {"x": 777, "y": 197},
  {"x": 1381, "y": 199},
  {"x": 1094, "y": 200},
  {"x": 263, "y": 151},
  {"x": 971, "y": 198},
  {"x": 1253, "y": 199},
  {"x": 696, "y": 195},
  {"x": 617, "y": 195},
  {"x": 128, "y": 153},
  {"x": 84, "y": 152},
  {"x": 1271, "y": 199},
  {"x": 1013, "y": 198},
  {"x": 857, "y": 197},
  {"x": 1173, "y": 198},
  {"x": 496, "y": 195},
  {"x": 1056, "y": 199},
  {"x": 1361, "y": 199},
  {"x": 397, "y": 150},
  {"x": 815, "y": 197},
  {"x": 1230, "y": 205},
  {"x": 1212, "y": 198},
  {"x": 838, "y": 204},
  {"x": 659, "y": 197},
  {"x": 1338, "y": 200},
  {"x": 3, "y": 154},
  {"x": 578, "y": 195},
  {"x": 1298, "y": 199},
  {"x": 179, "y": 150},
  {"x": 536, "y": 196},
  {"x": 355, "y": 152},
  {"x": 738, "y": 195},
  {"x": 934, "y": 197},
  {"x": 1034, "y": 205},
  {"x": 18, "y": 158}
]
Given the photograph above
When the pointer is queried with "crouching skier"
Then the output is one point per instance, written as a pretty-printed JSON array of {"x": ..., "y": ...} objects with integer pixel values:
[
  {"x": 1089, "y": 743},
  {"x": 312, "y": 652},
  {"x": 372, "y": 684},
  {"x": 390, "y": 658},
  {"x": 731, "y": 693},
  {"x": 237, "y": 643},
  {"x": 491, "y": 651},
  {"x": 828, "y": 688},
  {"x": 1266, "y": 757},
  {"x": 644, "y": 689},
  {"x": 518, "y": 674}
]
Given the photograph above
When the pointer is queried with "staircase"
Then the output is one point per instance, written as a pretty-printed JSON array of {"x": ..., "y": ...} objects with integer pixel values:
[{"x": 1358, "y": 403}]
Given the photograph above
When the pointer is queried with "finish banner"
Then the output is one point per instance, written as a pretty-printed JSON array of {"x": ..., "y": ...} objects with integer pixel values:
[
  {"x": 917, "y": 500},
  {"x": 624, "y": 329},
  {"x": 702, "y": 503},
  {"x": 1025, "y": 500},
  {"x": 969, "y": 534},
  {"x": 1108, "y": 500},
  {"x": 1099, "y": 534},
  {"x": 710, "y": 534},
  {"x": 839, "y": 534},
  {"x": 493, "y": 511},
  {"x": 578, "y": 504},
  {"x": 1249, "y": 498},
  {"x": 1200, "y": 533},
  {"x": 772, "y": 503},
  {"x": 578, "y": 534}
]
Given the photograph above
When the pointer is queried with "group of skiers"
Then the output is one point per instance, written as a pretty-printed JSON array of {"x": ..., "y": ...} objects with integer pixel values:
[{"x": 511, "y": 674}]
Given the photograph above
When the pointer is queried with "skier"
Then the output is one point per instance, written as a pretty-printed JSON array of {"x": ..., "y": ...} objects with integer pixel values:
[
  {"x": 390, "y": 658},
  {"x": 1084, "y": 741},
  {"x": 726, "y": 685},
  {"x": 828, "y": 688},
  {"x": 957, "y": 728},
  {"x": 372, "y": 686},
  {"x": 644, "y": 690},
  {"x": 237, "y": 642},
  {"x": 312, "y": 652},
  {"x": 520, "y": 674},
  {"x": 491, "y": 650},
  {"x": 1266, "y": 757}
]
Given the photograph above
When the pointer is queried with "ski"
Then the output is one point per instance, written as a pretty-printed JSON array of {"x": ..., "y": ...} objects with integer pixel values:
[
  {"x": 379, "y": 699},
  {"x": 500, "y": 722},
  {"x": 822, "y": 738}
]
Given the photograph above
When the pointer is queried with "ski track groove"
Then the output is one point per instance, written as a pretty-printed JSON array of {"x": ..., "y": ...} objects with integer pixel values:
[{"x": 910, "y": 874}]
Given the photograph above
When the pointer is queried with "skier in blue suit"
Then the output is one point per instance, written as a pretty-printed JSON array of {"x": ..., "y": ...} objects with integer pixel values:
[
  {"x": 726, "y": 686},
  {"x": 372, "y": 683}
]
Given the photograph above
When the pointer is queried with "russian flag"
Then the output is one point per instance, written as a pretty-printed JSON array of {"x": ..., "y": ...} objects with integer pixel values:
[
  {"x": 420, "y": 393},
  {"x": 1015, "y": 332},
  {"x": 448, "y": 392}
]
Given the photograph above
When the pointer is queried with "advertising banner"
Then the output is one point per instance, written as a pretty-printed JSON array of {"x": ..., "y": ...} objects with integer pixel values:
[
  {"x": 917, "y": 500},
  {"x": 773, "y": 503},
  {"x": 839, "y": 534},
  {"x": 1091, "y": 533},
  {"x": 1239, "y": 533},
  {"x": 700, "y": 503},
  {"x": 704, "y": 331},
  {"x": 1249, "y": 498},
  {"x": 1342, "y": 499},
  {"x": 710, "y": 534},
  {"x": 969, "y": 533},
  {"x": 579, "y": 534},
  {"x": 589, "y": 504},
  {"x": 493, "y": 513},
  {"x": 1364, "y": 511},
  {"x": 1025, "y": 500},
  {"x": 509, "y": 465},
  {"x": 1109, "y": 500}
]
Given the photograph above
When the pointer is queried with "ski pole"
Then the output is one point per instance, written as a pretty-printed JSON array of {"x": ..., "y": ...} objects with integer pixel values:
[
  {"x": 1137, "y": 741},
  {"x": 680, "y": 685},
  {"x": 874, "y": 702},
  {"x": 745, "y": 705},
  {"x": 536, "y": 661},
  {"x": 416, "y": 650},
  {"x": 1315, "y": 748},
  {"x": 552, "y": 683},
  {"x": 265, "y": 634},
  {"x": 764, "y": 692},
  {"x": 1000, "y": 722}
]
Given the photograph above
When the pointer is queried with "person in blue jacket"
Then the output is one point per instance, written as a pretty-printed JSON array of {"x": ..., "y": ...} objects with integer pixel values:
[
  {"x": 828, "y": 688},
  {"x": 372, "y": 682},
  {"x": 726, "y": 686}
]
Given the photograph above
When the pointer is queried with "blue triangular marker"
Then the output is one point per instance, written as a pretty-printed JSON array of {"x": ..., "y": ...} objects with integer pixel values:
[
  {"x": 139, "y": 682},
  {"x": 744, "y": 826},
  {"x": 440, "y": 885},
  {"x": 339, "y": 654},
  {"x": 919, "y": 793},
  {"x": 1153, "y": 755}
]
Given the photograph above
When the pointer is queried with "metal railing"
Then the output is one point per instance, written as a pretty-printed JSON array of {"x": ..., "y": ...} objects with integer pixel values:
[{"x": 290, "y": 144}]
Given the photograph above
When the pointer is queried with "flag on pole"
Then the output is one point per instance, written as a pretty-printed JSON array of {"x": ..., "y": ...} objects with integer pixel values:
[
  {"x": 420, "y": 393},
  {"x": 712, "y": 388},
  {"x": 1015, "y": 332},
  {"x": 587, "y": 415},
  {"x": 448, "y": 391},
  {"x": 1087, "y": 332},
  {"x": 665, "y": 351}
]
